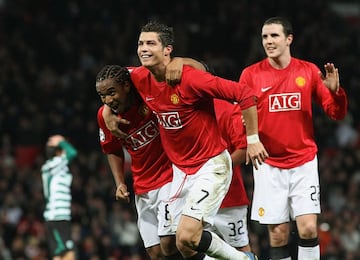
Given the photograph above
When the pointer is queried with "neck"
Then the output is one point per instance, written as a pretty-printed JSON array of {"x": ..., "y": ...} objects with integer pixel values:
[
  {"x": 280, "y": 62},
  {"x": 158, "y": 72}
]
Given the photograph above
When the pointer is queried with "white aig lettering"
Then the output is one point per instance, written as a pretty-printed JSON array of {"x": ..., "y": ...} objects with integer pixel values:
[
  {"x": 284, "y": 102},
  {"x": 169, "y": 120},
  {"x": 143, "y": 135}
]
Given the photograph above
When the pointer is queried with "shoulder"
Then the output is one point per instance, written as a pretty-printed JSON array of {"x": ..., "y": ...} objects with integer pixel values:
[
  {"x": 138, "y": 71},
  {"x": 100, "y": 113},
  {"x": 260, "y": 65},
  {"x": 304, "y": 63},
  {"x": 100, "y": 110}
]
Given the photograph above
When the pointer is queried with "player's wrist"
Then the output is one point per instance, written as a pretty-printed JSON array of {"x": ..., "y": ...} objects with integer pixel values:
[{"x": 252, "y": 139}]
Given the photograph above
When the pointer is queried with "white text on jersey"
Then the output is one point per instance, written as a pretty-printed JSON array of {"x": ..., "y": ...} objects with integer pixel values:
[
  {"x": 143, "y": 135},
  {"x": 284, "y": 102},
  {"x": 169, "y": 120}
]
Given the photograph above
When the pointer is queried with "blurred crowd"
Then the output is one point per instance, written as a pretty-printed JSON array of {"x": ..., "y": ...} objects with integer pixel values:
[{"x": 51, "y": 51}]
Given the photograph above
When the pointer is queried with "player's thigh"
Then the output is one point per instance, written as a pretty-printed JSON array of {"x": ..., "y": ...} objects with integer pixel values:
[
  {"x": 189, "y": 229},
  {"x": 209, "y": 189}
]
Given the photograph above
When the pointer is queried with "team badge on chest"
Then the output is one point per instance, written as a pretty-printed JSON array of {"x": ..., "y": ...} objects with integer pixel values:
[
  {"x": 174, "y": 99},
  {"x": 300, "y": 82}
]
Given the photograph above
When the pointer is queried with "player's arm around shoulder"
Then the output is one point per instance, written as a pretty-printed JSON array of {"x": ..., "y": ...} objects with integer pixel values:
[{"x": 112, "y": 122}]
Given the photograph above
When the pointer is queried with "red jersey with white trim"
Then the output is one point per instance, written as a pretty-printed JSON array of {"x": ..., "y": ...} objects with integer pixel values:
[
  {"x": 185, "y": 112},
  {"x": 232, "y": 129},
  {"x": 150, "y": 166},
  {"x": 285, "y": 109}
]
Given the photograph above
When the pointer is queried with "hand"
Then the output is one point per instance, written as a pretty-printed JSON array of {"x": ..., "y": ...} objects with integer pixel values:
[
  {"x": 331, "y": 79},
  {"x": 112, "y": 122},
  {"x": 174, "y": 71},
  {"x": 54, "y": 140},
  {"x": 256, "y": 154},
  {"x": 122, "y": 193}
]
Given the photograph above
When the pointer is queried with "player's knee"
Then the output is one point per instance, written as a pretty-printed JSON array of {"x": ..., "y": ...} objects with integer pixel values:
[
  {"x": 308, "y": 230},
  {"x": 279, "y": 234},
  {"x": 186, "y": 240}
]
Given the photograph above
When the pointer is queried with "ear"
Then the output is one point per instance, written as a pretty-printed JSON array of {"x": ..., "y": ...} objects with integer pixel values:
[
  {"x": 168, "y": 50},
  {"x": 127, "y": 86},
  {"x": 289, "y": 39}
]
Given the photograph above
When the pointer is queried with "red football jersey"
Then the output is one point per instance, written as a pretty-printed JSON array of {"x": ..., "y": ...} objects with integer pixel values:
[
  {"x": 185, "y": 113},
  {"x": 285, "y": 109},
  {"x": 150, "y": 166},
  {"x": 233, "y": 132}
]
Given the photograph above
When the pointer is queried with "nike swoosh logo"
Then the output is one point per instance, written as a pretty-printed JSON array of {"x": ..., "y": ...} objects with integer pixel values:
[
  {"x": 265, "y": 89},
  {"x": 192, "y": 208},
  {"x": 149, "y": 98}
]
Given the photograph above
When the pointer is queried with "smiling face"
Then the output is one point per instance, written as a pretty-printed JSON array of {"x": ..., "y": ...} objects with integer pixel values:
[
  {"x": 151, "y": 51},
  {"x": 275, "y": 42},
  {"x": 115, "y": 95}
]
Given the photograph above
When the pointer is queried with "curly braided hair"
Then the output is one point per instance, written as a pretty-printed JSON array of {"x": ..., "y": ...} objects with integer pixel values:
[{"x": 118, "y": 73}]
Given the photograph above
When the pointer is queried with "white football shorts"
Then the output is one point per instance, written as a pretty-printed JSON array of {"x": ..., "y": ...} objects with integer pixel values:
[
  {"x": 153, "y": 215},
  {"x": 281, "y": 194},
  {"x": 231, "y": 225},
  {"x": 200, "y": 195}
]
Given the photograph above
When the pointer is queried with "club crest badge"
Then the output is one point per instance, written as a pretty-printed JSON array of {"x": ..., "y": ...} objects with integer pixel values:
[
  {"x": 174, "y": 99},
  {"x": 300, "y": 82}
]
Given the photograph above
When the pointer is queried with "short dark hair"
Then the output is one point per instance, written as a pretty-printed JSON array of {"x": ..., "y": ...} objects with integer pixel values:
[
  {"x": 166, "y": 33},
  {"x": 287, "y": 27},
  {"x": 116, "y": 72}
]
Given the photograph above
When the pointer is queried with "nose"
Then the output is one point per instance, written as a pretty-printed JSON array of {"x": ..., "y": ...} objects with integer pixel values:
[{"x": 108, "y": 100}]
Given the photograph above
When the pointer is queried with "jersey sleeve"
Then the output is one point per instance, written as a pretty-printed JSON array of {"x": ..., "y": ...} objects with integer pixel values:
[
  {"x": 109, "y": 143},
  {"x": 69, "y": 149},
  {"x": 229, "y": 119},
  {"x": 209, "y": 85}
]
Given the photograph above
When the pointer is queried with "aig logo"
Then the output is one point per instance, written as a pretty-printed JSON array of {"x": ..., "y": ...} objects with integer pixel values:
[
  {"x": 143, "y": 135},
  {"x": 169, "y": 120},
  {"x": 284, "y": 102}
]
